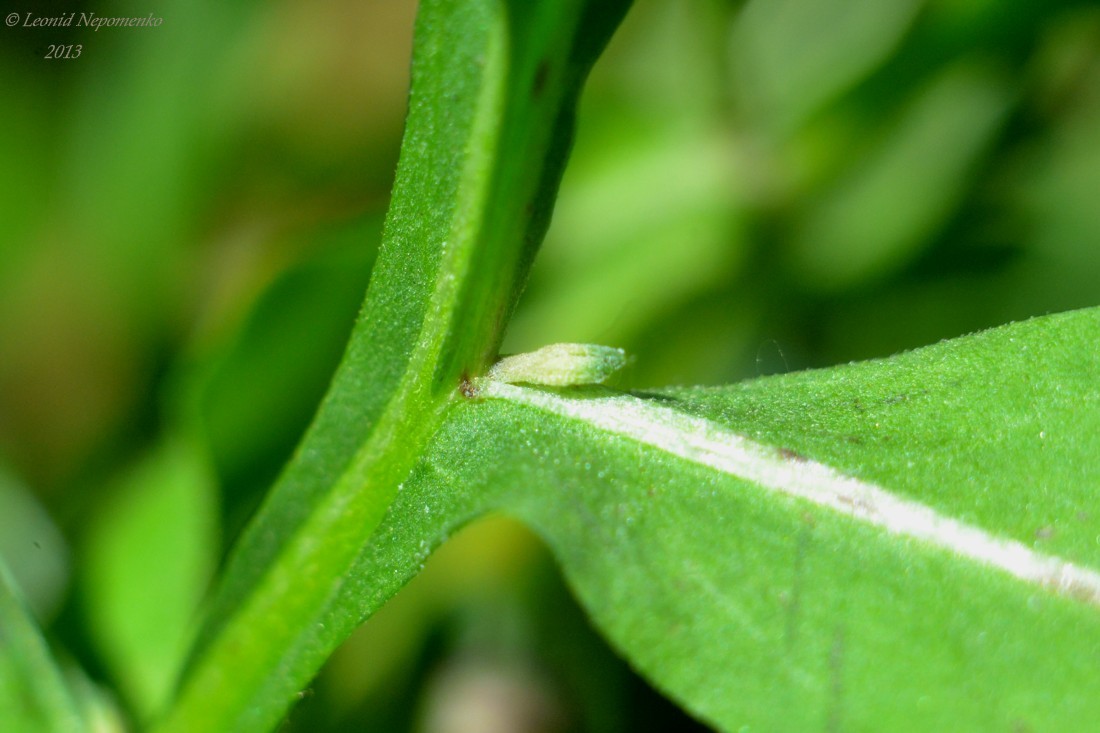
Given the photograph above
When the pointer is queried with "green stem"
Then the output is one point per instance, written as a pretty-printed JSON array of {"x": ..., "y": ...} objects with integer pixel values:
[{"x": 490, "y": 114}]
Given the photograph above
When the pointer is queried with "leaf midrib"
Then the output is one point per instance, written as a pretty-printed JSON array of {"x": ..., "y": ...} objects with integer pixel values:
[{"x": 708, "y": 444}]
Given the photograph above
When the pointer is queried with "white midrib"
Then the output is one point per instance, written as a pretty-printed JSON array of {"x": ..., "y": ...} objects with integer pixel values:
[{"x": 701, "y": 441}]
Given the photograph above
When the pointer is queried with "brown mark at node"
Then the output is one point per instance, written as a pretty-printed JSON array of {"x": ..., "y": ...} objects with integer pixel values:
[
  {"x": 542, "y": 73},
  {"x": 467, "y": 387}
]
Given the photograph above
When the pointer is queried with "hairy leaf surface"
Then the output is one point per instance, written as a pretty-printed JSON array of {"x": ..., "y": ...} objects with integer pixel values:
[{"x": 905, "y": 544}]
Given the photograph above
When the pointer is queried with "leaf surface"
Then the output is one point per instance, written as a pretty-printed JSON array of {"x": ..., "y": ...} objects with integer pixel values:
[{"x": 904, "y": 544}]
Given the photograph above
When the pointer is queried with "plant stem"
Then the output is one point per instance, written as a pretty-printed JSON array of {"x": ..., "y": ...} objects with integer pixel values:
[{"x": 490, "y": 115}]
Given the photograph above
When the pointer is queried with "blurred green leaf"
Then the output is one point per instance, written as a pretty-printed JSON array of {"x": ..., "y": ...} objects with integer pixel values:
[
  {"x": 37, "y": 554},
  {"x": 34, "y": 697},
  {"x": 251, "y": 398},
  {"x": 882, "y": 212},
  {"x": 792, "y": 56},
  {"x": 634, "y": 234},
  {"x": 148, "y": 556}
]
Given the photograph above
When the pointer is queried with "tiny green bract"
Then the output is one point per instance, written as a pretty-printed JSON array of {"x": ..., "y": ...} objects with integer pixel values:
[{"x": 560, "y": 365}]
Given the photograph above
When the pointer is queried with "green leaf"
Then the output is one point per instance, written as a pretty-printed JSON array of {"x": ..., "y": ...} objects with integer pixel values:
[
  {"x": 146, "y": 563},
  {"x": 251, "y": 397},
  {"x": 792, "y": 56},
  {"x": 33, "y": 695},
  {"x": 904, "y": 544},
  {"x": 879, "y": 214},
  {"x": 33, "y": 547},
  {"x": 490, "y": 115}
]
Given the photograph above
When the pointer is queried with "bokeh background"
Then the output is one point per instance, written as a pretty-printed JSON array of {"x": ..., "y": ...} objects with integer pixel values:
[{"x": 189, "y": 215}]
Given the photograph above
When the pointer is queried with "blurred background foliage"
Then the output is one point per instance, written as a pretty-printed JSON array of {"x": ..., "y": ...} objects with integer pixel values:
[{"x": 189, "y": 215}]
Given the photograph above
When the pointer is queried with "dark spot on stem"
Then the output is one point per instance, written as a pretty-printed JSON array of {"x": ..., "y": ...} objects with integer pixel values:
[{"x": 467, "y": 387}]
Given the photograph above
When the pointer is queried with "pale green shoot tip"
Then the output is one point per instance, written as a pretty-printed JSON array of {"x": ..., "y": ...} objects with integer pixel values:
[{"x": 560, "y": 365}]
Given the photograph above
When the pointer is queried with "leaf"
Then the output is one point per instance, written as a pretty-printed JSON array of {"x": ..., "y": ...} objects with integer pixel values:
[
  {"x": 147, "y": 561},
  {"x": 878, "y": 216},
  {"x": 789, "y": 67},
  {"x": 904, "y": 544},
  {"x": 490, "y": 115},
  {"x": 252, "y": 397},
  {"x": 33, "y": 694},
  {"x": 33, "y": 547}
]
